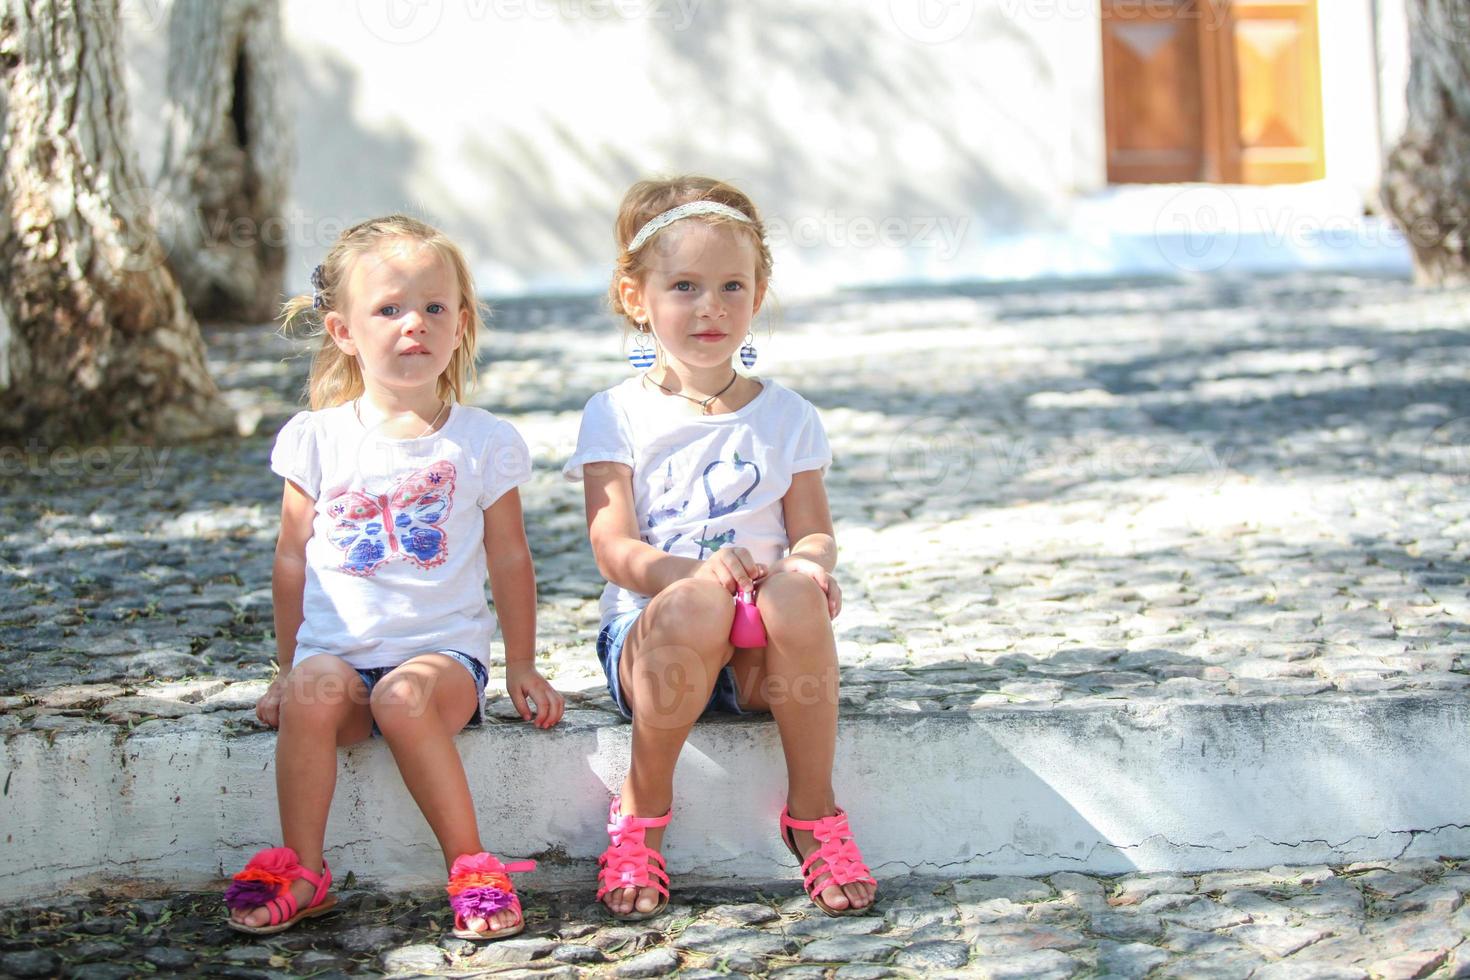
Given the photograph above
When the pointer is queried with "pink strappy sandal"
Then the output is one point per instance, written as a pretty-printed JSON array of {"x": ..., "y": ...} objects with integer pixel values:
[
  {"x": 265, "y": 883},
  {"x": 479, "y": 886},
  {"x": 630, "y": 863},
  {"x": 842, "y": 862}
]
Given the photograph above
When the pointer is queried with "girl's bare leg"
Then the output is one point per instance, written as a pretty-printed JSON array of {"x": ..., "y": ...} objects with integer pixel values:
[
  {"x": 420, "y": 707},
  {"x": 325, "y": 706},
  {"x": 795, "y": 678},
  {"x": 671, "y": 658}
]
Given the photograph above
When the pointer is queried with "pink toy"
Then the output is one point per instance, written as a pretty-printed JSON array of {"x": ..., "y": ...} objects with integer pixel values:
[{"x": 747, "y": 630}]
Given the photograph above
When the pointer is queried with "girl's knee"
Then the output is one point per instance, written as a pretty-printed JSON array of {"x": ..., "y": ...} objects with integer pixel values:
[
  {"x": 695, "y": 601},
  {"x": 399, "y": 696},
  {"x": 693, "y": 614},
  {"x": 789, "y": 597},
  {"x": 321, "y": 692}
]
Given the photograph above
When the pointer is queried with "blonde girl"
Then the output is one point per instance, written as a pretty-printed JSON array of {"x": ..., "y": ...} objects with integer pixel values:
[{"x": 398, "y": 499}]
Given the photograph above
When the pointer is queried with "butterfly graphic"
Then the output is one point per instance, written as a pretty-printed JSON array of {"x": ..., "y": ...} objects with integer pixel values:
[{"x": 372, "y": 528}]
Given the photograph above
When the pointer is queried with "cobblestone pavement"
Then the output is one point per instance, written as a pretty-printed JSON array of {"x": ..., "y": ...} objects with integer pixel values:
[
  {"x": 1206, "y": 490},
  {"x": 1202, "y": 490},
  {"x": 1390, "y": 920}
]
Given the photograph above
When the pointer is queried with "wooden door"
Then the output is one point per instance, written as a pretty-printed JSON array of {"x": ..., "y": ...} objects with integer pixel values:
[
  {"x": 1212, "y": 90},
  {"x": 1152, "y": 90},
  {"x": 1273, "y": 93}
]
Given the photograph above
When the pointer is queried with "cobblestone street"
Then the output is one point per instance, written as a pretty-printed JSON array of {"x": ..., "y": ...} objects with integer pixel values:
[
  {"x": 1207, "y": 490},
  {"x": 1390, "y": 919}
]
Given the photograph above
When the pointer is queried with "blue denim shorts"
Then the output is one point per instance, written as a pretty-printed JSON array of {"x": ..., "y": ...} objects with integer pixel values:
[
  {"x": 371, "y": 675},
  {"x": 723, "y": 698}
]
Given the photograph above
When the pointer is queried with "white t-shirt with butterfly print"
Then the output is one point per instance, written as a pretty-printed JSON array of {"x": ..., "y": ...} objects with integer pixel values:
[
  {"x": 701, "y": 482},
  {"x": 395, "y": 566}
]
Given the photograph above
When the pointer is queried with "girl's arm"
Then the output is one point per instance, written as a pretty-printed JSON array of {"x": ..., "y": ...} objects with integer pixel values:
[
  {"x": 809, "y": 527},
  {"x": 809, "y": 519},
  {"x": 513, "y": 584},
  {"x": 288, "y": 590},
  {"x": 627, "y": 561}
]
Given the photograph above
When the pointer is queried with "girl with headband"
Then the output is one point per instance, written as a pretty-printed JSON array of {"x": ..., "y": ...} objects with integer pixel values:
[{"x": 709, "y": 519}]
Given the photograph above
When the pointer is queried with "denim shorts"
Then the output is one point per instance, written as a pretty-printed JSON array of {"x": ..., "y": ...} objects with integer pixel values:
[
  {"x": 723, "y": 698},
  {"x": 371, "y": 675}
]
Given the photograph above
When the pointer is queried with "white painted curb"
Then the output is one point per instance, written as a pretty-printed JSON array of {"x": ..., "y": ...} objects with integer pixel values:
[{"x": 1102, "y": 787}]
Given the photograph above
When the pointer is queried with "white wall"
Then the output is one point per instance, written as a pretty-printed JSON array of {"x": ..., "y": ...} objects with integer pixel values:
[
  {"x": 1350, "y": 104},
  {"x": 1393, "y": 68},
  {"x": 517, "y": 124},
  {"x": 884, "y": 139}
]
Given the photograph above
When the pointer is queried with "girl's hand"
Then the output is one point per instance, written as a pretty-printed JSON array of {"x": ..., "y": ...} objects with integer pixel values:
[
  {"x": 818, "y": 574},
  {"x": 268, "y": 708},
  {"x": 733, "y": 568},
  {"x": 524, "y": 683}
]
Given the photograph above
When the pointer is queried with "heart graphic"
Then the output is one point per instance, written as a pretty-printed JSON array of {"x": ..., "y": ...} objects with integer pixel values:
[{"x": 722, "y": 478}]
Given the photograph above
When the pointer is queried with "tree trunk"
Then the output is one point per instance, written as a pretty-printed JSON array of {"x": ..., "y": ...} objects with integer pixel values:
[
  {"x": 226, "y": 157},
  {"x": 100, "y": 343},
  {"x": 1426, "y": 180}
]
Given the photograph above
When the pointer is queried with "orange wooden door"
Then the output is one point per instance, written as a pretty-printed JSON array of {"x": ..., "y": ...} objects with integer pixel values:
[
  {"x": 1273, "y": 93},
  {"x": 1152, "y": 91},
  {"x": 1212, "y": 90}
]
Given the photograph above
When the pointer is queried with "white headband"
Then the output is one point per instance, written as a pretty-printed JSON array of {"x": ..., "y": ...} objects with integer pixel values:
[{"x": 655, "y": 225}]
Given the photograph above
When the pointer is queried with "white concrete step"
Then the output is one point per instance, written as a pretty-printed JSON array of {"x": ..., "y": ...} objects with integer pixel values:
[{"x": 1106, "y": 787}]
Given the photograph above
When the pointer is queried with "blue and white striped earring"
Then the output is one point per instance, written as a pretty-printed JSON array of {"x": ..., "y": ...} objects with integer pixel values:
[
  {"x": 747, "y": 352},
  {"x": 642, "y": 355}
]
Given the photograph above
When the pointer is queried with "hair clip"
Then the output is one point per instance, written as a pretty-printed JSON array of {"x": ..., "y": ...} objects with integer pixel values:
[{"x": 318, "y": 285}]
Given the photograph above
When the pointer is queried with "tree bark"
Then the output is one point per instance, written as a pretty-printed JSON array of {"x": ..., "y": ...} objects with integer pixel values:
[
  {"x": 1426, "y": 179},
  {"x": 226, "y": 157},
  {"x": 100, "y": 343}
]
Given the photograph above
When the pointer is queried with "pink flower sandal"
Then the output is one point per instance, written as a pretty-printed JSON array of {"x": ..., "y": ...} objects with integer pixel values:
[
  {"x": 479, "y": 886},
  {"x": 630, "y": 863},
  {"x": 266, "y": 881},
  {"x": 841, "y": 861}
]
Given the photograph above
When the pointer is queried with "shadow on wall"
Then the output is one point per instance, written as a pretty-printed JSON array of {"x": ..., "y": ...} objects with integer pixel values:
[
  {"x": 860, "y": 88},
  {"x": 831, "y": 121},
  {"x": 358, "y": 173}
]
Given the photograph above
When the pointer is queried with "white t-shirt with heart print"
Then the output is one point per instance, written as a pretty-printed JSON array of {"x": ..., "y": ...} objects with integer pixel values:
[{"x": 701, "y": 482}]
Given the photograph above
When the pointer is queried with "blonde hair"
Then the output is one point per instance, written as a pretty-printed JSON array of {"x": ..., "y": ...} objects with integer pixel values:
[
  {"x": 335, "y": 377},
  {"x": 648, "y": 199}
]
